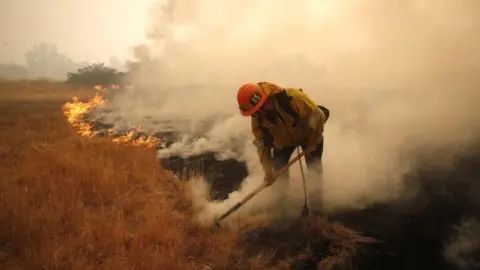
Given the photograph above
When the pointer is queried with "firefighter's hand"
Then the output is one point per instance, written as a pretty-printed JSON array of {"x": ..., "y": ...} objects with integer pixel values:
[{"x": 268, "y": 179}]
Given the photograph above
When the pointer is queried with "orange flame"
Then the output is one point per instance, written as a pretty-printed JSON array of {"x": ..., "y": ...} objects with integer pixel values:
[{"x": 76, "y": 110}]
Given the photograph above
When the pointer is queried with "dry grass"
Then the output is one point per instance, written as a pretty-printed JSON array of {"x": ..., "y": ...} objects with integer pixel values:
[
  {"x": 41, "y": 90},
  {"x": 68, "y": 202}
]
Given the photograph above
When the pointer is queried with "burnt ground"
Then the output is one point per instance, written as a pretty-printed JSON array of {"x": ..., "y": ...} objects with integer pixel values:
[
  {"x": 224, "y": 176},
  {"x": 411, "y": 233}
]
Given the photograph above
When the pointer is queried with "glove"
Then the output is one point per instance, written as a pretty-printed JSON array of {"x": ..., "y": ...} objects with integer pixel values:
[{"x": 268, "y": 179}]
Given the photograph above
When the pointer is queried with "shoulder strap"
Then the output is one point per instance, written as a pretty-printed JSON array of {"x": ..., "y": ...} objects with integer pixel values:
[{"x": 283, "y": 99}]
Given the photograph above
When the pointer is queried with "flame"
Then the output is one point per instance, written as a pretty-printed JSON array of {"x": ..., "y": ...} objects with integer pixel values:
[{"x": 76, "y": 110}]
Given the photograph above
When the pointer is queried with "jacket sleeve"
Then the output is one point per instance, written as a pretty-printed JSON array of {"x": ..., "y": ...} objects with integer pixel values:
[
  {"x": 262, "y": 150},
  {"x": 310, "y": 114}
]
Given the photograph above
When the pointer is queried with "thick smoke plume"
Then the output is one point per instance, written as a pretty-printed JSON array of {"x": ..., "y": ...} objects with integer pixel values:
[
  {"x": 464, "y": 246},
  {"x": 398, "y": 76}
]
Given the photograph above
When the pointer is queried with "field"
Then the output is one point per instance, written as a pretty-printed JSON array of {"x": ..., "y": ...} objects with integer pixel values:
[{"x": 73, "y": 202}]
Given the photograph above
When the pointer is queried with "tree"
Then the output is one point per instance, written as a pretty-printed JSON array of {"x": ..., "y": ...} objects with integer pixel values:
[{"x": 96, "y": 74}]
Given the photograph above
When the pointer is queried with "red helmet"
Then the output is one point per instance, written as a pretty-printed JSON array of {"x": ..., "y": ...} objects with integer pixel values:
[{"x": 251, "y": 98}]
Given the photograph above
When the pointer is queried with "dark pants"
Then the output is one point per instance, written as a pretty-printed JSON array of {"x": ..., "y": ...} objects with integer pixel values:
[
  {"x": 282, "y": 156},
  {"x": 314, "y": 163}
]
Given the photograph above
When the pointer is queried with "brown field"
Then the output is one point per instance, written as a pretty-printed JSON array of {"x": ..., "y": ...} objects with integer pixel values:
[{"x": 71, "y": 202}]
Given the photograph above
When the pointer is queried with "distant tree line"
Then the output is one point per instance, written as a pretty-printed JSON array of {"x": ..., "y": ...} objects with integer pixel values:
[
  {"x": 95, "y": 74},
  {"x": 44, "y": 61}
]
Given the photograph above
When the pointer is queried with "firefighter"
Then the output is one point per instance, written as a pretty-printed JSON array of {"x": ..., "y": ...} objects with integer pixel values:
[{"x": 281, "y": 120}]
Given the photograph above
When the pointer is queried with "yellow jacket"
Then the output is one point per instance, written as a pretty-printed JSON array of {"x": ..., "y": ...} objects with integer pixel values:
[{"x": 310, "y": 123}]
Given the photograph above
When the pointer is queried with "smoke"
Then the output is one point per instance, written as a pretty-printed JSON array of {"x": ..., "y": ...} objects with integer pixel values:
[
  {"x": 464, "y": 244},
  {"x": 398, "y": 76}
]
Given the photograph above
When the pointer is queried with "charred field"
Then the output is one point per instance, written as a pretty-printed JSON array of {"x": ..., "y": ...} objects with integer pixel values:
[
  {"x": 101, "y": 201},
  {"x": 411, "y": 234}
]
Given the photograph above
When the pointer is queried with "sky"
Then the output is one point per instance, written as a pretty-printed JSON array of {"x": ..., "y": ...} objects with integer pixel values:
[{"x": 87, "y": 30}]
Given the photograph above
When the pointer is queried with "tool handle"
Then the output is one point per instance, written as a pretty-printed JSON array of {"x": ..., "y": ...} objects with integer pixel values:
[
  {"x": 260, "y": 188},
  {"x": 240, "y": 203}
]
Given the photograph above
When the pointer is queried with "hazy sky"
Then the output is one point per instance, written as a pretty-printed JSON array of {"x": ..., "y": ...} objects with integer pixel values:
[{"x": 84, "y": 30}]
